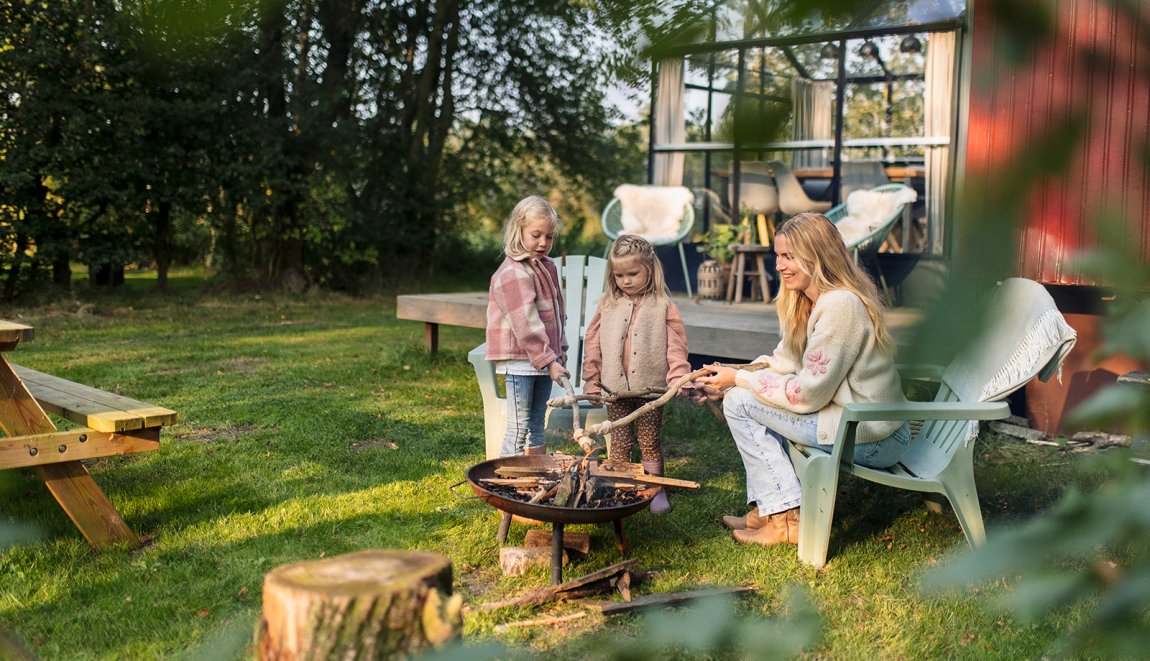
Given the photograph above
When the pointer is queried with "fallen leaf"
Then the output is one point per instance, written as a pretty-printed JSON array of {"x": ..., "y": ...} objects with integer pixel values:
[{"x": 203, "y": 612}]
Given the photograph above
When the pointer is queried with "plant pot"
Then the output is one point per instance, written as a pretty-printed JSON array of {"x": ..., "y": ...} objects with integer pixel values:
[{"x": 712, "y": 280}]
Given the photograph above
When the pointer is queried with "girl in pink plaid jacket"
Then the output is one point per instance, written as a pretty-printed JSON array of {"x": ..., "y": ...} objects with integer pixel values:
[{"x": 525, "y": 319}]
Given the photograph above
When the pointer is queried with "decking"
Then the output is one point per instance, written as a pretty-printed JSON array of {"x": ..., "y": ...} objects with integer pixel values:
[{"x": 734, "y": 331}]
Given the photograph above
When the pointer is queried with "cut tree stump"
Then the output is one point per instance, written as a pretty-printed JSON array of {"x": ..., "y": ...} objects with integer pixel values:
[{"x": 366, "y": 605}]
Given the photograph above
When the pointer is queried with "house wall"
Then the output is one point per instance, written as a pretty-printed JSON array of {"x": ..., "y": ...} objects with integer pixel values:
[{"x": 1099, "y": 64}]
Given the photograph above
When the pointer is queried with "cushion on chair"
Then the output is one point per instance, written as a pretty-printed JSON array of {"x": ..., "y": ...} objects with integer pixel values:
[
  {"x": 868, "y": 210},
  {"x": 653, "y": 212}
]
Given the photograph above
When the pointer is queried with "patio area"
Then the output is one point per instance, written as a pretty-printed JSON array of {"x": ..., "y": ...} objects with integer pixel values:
[{"x": 729, "y": 331}]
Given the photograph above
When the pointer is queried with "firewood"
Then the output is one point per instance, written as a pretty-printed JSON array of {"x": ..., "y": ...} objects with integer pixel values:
[
  {"x": 662, "y": 599},
  {"x": 512, "y": 481},
  {"x": 516, "y": 560},
  {"x": 369, "y": 604},
  {"x": 575, "y": 541},
  {"x": 541, "y": 622},
  {"x": 649, "y": 479},
  {"x": 565, "y": 590}
]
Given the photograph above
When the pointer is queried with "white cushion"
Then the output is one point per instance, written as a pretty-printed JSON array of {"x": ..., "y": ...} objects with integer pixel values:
[
  {"x": 653, "y": 212},
  {"x": 868, "y": 210}
]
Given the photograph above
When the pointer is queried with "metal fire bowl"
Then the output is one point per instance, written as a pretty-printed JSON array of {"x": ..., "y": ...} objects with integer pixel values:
[{"x": 547, "y": 513}]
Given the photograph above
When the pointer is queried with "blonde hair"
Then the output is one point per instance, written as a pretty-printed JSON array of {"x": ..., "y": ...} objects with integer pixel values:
[
  {"x": 528, "y": 209},
  {"x": 817, "y": 248},
  {"x": 630, "y": 245}
]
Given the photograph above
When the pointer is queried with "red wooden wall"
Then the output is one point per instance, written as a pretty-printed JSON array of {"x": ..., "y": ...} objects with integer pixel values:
[{"x": 1011, "y": 105}]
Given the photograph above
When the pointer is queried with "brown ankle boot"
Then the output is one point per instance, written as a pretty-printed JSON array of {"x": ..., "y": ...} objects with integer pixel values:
[
  {"x": 752, "y": 520},
  {"x": 780, "y": 528},
  {"x": 542, "y": 449}
]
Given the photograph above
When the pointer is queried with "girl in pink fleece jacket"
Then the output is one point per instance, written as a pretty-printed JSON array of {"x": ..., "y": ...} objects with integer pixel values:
[{"x": 525, "y": 319}]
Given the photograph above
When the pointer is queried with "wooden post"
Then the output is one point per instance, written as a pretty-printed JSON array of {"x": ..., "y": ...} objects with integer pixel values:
[{"x": 363, "y": 605}]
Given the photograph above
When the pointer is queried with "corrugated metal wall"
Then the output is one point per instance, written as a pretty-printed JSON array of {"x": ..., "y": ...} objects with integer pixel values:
[{"x": 1100, "y": 63}]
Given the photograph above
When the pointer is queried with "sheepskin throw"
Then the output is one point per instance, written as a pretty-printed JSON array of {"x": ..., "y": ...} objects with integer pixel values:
[
  {"x": 868, "y": 210},
  {"x": 653, "y": 212}
]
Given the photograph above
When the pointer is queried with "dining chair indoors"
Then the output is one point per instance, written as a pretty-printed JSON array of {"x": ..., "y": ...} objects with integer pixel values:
[{"x": 792, "y": 198}]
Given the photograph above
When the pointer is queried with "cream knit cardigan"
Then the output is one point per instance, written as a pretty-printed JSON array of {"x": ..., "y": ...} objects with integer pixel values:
[{"x": 841, "y": 364}]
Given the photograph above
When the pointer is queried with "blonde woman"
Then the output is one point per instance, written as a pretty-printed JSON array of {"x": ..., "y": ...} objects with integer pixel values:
[
  {"x": 835, "y": 350},
  {"x": 635, "y": 341}
]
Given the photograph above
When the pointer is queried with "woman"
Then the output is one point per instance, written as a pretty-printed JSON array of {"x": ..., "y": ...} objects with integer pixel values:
[{"x": 835, "y": 350}]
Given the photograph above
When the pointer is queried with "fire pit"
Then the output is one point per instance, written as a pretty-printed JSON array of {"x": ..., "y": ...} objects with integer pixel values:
[{"x": 481, "y": 476}]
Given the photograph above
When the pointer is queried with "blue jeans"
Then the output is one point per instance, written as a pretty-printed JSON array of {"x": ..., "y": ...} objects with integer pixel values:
[
  {"x": 526, "y": 412},
  {"x": 761, "y": 433}
]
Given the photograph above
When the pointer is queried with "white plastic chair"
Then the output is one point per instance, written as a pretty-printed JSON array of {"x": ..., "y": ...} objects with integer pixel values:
[
  {"x": 1025, "y": 337},
  {"x": 581, "y": 278}
]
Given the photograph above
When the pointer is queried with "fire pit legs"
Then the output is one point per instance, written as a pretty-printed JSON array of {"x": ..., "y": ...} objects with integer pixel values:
[
  {"x": 504, "y": 526},
  {"x": 620, "y": 540},
  {"x": 556, "y": 553}
]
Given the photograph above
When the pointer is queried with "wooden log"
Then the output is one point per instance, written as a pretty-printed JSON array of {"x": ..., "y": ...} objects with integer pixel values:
[
  {"x": 572, "y": 541},
  {"x": 573, "y": 588},
  {"x": 516, "y": 560},
  {"x": 661, "y": 600},
  {"x": 646, "y": 479},
  {"x": 365, "y": 605}
]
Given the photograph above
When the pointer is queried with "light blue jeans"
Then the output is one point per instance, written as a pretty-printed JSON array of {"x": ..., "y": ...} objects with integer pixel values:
[
  {"x": 527, "y": 397},
  {"x": 761, "y": 434}
]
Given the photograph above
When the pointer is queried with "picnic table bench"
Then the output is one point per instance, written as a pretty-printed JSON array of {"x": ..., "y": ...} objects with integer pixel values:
[{"x": 110, "y": 425}]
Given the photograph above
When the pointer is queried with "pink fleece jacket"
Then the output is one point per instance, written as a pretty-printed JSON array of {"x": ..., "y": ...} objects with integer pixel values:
[{"x": 525, "y": 313}]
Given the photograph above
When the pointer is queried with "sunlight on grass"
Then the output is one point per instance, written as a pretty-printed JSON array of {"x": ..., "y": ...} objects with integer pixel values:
[{"x": 336, "y": 433}]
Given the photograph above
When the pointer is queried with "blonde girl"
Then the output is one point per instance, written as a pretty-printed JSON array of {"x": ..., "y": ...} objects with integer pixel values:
[
  {"x": 525, "y": 319},
  {"x": 835, "y": 349},
  {"x": 635, "y": 341}
]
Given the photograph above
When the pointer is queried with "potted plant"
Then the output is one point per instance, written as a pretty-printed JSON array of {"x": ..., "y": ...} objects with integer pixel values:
[{"x": 713, "y": 273}]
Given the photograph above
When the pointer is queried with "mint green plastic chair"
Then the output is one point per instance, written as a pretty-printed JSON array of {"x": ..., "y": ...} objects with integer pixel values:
[
  {"x": 581, "y": 278},
  {"x": 1025, "y": 337}
]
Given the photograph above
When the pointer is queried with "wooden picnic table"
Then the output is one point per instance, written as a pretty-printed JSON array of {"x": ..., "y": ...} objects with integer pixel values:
[{"x": 110, "y": 425}]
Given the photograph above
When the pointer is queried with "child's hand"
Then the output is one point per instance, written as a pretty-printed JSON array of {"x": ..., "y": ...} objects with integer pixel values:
[{"x": 555, "y": 371}]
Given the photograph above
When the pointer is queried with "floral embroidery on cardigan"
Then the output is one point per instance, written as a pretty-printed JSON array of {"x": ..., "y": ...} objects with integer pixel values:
[
  {"x": 768, "y": 384},
  {"x": 817, "y": 362},
  {"x": 794, "y": 396}
]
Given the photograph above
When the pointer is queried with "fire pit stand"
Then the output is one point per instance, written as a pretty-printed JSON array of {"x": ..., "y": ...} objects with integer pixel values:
[{"x": 557, "y": 516}]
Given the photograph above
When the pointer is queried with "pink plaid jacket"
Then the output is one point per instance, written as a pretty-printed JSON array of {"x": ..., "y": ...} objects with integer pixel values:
[{"x": 525, "y": 313}]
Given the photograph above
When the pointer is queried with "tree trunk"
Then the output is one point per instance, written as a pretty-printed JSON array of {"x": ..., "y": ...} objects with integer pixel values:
[
  {"x": 161, "y": 246},
  {"x": 364, "y": 605}
]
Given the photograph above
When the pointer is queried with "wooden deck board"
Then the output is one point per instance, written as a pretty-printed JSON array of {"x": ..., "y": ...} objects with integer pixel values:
[{"x": 738, "y": 331}]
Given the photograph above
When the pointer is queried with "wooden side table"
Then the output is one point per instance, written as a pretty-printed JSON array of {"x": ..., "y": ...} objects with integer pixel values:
[{"x": 739, "y": 271}]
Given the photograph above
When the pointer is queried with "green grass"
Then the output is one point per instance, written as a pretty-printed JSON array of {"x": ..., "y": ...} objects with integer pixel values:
[{"x": 312, "y": 426}]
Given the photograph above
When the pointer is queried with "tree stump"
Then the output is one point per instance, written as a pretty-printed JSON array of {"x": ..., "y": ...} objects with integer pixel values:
[{"x": 364, "y": 605}]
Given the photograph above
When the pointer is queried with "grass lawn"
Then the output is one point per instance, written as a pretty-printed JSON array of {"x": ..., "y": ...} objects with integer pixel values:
[{"x": 314, "y": 425}]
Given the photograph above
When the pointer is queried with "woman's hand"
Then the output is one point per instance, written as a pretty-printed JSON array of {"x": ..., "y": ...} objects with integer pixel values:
[
  {"x": 555, "y": 371},
  {"x": 720, "y": 378}
]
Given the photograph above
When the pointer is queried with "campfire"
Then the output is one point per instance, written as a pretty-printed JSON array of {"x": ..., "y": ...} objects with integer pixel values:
[{"x": 574, "y": 482}]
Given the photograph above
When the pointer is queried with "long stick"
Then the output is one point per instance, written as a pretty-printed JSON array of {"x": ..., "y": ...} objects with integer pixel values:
[{"x": 608, "y": 425}]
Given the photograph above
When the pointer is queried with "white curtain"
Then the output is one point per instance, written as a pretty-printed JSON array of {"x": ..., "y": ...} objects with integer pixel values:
[
  {"x": 939, "y": 115},
  {"x": 670, "y": 122},
  {"x": 812, "y": 102}
]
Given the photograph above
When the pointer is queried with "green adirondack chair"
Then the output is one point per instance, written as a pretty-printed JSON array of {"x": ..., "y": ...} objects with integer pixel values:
[
  {"x": 581, "y": 278},
  {"x": 1025, "y": 337}
]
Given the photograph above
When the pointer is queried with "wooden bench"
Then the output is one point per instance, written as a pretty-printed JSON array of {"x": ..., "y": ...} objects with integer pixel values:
[{"x": 111, "y": 425}]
